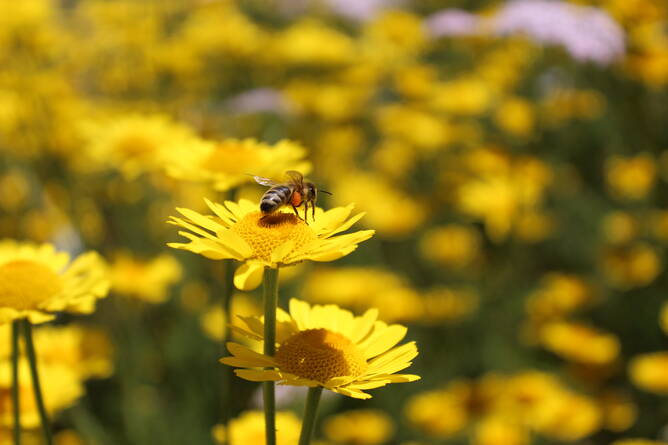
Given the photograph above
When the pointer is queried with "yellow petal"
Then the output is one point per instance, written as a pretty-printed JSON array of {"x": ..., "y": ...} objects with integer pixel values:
[
  {"x": 281, "y": 252},
  {"x": 248, "y": 276},
  {"x": 390, "y": 337},
  {"x": 355, "y": 393},
  {"x": 259, "y": 375},
  {"x": 243, "y": 352},
  {"x": 401, "y": 354},
  {"x": 363, "y": 325}
]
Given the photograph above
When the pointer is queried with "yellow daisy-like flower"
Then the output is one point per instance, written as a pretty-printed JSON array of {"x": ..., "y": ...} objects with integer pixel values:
[
  {"x": 240, "y": 231},
  {"x": 326, "y": 346},
  {"x": 36, "y": 281},
  {"x": 227, "y": 164}
]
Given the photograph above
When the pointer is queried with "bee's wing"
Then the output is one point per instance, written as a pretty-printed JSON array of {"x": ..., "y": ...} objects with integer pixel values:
[
  {"x": 264, "y": 181},
  {"x": 295, "y": 176}
]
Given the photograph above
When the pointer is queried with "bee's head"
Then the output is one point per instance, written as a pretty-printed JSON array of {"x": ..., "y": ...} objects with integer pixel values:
[{"x": 310, "y": 191}]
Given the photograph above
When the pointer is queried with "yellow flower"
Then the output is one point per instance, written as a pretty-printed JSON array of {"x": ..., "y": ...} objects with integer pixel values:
[
  {"x": 214, "y": 319},
  {"x": 630, "y": 178},
  {"x": 515, "y": 116},
  {"x": 360, "y": 427},
  {"x": 61, "y": 387},
  {"x": 36, "y": 281},
  {"x": 86, "y": 352},
  {"x": 454, "y": 246},
  {"x": 648, "y": 371},
  {"x": 620, "y": 227},
  {"x": 311, "y": 43},
  {"x": 579, "y": 343},
  {"x": 248, "y": 428},
  {"x": 638, "y": 442},
  {"x": 361, "y": 288},
  {"x": 663, "y": 318},
  {"x": 240, "y": 231},
  {"x": 329, "y": 347},
  {"x": 497, "y": 430},
  {"x": 391, "y": 211},
  {"x": 619, "y": 411},
  {"x": 134, "y": 143},
  {"x": 443, "y": 412},
  {"x": 145, "y": 280},
  {"x": 229, "y": 163},
  {"x": 631, "y": 266}
]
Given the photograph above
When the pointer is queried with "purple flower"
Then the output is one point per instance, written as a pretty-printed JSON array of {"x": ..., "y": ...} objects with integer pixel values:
[
  {"x": 259, "y": 100},
  {"x": 587, "y": 33},
  {"x": 453, "y": 22}
]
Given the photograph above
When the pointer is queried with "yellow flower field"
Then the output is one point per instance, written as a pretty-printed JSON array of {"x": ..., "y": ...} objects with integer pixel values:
[{"x": 333, "y": 222}]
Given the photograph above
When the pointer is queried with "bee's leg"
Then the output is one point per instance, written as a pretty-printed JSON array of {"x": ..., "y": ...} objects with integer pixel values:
[
  {"x": 294, "y": 209},
  {"x": 306, "y": 212},
  {"x": 313, "y": 210}
]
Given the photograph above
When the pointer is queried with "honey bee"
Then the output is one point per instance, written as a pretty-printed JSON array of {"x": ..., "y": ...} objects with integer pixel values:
[{"x": 294, "y": 192}]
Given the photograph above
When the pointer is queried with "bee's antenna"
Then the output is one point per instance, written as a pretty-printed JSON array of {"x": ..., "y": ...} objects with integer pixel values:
[{"x": 325, "y": 191}]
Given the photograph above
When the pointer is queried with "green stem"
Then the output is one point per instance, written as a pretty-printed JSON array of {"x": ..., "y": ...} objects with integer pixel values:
[
  {"x": 310, "y": 412},
  {"x": 270, "y": 297},
  {"x": 227, "y": 273},
  {"x": 32, "y": 358},
  {"x": 15, "y": 382}
]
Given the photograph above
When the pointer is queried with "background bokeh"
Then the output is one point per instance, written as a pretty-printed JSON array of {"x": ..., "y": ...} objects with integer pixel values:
[{"x": 512, "y": 157}]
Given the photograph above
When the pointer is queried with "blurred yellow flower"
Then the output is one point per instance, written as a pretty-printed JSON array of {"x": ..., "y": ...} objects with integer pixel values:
[
  {"x": 619, "y": 411},
  {"x": 61, "y": 387},
  {"x": 638, "y": 442},
  {"x": 559, "y": 294},
  {"x": 240, "y": 231},
  {"x": 87, "y": 352},
  {"x": 468, "y": 96},
  {"x": 144, "y": 280},
  {"x": 631, "y": 266},
  {"x": 505, "y": 408},
  {"x": 133, "y": 144},
  {"x": 442, "y": 304},
  {"x": 561, "y": 105},
  {"x": 648, "y": 372},
  {"x": 229, "y": 163},
  {"x": 441, "y": 413},
  {"x": 213, "y": 320},
  {"x": 362, "y": 288},
  {"x": 309, "y": 42},
  {"x": 36, "y": 281},
  {"x": 632, "y": 177},
  {"x": 580, "y": 343},
  {"x": 502, "y": 190},
  {"x": 515, "y": 116},
  {"x": 359, "y": 427},
  {"x": 248, "y": 428},
  {"x": 393, "y": 38},
  {"x": 620, "y": 227},
  {"x": 389, "y": 210},
  {"x": 454, "y": 246},
  {"x": 663, "y": 317},
  {"x": 329, "y": 347},
  {"x": 497, "y": 430}
]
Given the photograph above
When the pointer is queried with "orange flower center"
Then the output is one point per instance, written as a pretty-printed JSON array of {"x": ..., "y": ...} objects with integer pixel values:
[
  {"x": 24, "y": 284},
  {"x": 320, "y": 354},
  {"x": 264, "y": 233}
]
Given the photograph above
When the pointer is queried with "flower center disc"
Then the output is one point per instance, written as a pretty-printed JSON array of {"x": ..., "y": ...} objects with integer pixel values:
[
  {"x": 25, "y": 284},
  {"x": 264, "y": 233},
  {"x": 319, "y": 354}
]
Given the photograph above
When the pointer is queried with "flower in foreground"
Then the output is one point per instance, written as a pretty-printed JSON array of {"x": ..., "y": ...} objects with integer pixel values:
[
  {"x": 326, "y": 346},
  {"x": 36, "y": 281},
  {"x": 241, "y": 232}
]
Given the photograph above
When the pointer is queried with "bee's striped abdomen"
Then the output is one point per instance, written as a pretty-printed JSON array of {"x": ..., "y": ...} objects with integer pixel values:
[{"x": 274, "y": 198}]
